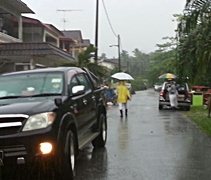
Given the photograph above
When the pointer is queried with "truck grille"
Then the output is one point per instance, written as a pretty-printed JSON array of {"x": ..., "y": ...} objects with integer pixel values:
[
  {"x": 11, "y": 151},
  {"x": 11, "y": 124}
]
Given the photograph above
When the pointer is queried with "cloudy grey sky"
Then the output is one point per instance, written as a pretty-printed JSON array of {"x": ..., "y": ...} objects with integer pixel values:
[{"x": 140, "y": 23}]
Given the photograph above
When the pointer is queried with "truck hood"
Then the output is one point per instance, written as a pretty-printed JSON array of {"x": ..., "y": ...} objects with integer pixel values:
[{"x": 27, "y": 106}]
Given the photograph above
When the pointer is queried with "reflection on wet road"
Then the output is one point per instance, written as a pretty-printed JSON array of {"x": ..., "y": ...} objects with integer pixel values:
[{"x": 148, "y": 145}]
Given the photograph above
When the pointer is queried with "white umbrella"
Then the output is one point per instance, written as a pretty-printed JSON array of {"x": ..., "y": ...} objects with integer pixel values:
[{"x": 122, "y": 76}]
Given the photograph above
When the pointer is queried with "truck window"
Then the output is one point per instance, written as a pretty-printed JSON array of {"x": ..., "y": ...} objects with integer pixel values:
[
  {"x": 73, "y": 82},
  {"x": 35, "y": 83},
  {"x": 95, "y": 80},
  {"x": 83, "y": 81}
]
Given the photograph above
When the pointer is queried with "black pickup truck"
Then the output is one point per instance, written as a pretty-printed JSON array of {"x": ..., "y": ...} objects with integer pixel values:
[{"x": 48, "y": 115}]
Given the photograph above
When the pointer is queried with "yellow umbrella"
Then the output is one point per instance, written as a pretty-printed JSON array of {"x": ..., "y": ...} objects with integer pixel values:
[{"x": 167, "y": 76}]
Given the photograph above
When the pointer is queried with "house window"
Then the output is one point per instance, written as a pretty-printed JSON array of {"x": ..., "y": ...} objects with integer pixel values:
[{"x": 22, "y": 67}]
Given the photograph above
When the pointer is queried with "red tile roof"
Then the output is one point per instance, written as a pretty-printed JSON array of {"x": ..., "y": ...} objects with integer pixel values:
[{"x": 31, "y": 49}]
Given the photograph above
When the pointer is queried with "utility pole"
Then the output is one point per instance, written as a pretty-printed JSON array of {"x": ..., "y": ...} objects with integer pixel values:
[
  {"x": 64, "y": 11},
  {"x": 119, "y": 53},
  {"x": 96, "y": 30},
  {"x": 119, "y": 58}
]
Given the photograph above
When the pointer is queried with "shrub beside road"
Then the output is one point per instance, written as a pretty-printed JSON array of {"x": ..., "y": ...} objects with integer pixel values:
[{"x": 199, "y": 115}]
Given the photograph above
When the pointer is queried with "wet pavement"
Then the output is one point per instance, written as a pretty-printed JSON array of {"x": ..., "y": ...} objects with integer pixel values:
[{"x": 148, "y": 145}]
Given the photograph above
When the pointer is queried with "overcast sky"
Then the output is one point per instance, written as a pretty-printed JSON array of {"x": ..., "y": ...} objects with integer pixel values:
[{"x": 140, "y": 23}]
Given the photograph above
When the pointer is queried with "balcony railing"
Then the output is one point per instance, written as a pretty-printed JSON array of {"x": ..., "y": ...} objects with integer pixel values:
[{"x": 5, "y": 38}]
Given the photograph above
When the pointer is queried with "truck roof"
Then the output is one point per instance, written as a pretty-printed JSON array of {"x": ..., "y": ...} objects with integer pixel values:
[{"x": 52, "y": 69}]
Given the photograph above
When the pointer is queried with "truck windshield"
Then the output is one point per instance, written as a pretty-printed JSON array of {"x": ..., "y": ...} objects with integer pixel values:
[{"x": 31, "y": 84}]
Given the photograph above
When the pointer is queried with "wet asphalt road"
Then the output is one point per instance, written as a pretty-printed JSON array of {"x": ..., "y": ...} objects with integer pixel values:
[{"x": 148, "y": 145}]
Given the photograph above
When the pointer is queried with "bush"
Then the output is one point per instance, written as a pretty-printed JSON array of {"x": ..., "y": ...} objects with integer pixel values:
[{"x": 137, "y": 84}]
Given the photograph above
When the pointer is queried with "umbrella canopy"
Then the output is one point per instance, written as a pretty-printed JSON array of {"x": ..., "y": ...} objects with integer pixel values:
[
  {"x": 122, "y": 76},
  {"x": 167, "y": 76}
]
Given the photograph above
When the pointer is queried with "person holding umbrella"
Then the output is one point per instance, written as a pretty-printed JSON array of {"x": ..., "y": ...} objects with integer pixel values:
[
  {"x": 173, "y": 93},
  {"x": 123, "y": 96},
  {"x": 123, "y": 93}
]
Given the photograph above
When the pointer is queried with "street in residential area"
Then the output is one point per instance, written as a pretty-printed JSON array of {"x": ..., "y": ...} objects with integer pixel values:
[{"x": 150, "y": 144}]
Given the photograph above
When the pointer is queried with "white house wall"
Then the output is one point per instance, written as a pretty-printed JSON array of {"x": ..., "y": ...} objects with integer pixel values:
[{"x": 108, "y": 65}]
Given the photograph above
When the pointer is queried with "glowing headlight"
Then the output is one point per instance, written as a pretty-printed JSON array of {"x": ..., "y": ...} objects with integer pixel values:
[
  {"x": 46, "y": 147},
  {"x": 39, "y": 121}
]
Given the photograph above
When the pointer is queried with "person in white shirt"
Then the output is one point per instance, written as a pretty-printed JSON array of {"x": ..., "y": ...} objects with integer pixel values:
[{"x": 173, "y": 93}]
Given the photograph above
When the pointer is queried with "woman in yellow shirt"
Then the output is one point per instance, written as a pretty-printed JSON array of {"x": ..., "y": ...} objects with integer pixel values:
[{"x": 123, "y": 96}]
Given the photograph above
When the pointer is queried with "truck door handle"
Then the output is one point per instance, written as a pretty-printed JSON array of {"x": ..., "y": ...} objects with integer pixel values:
[
  {"x": 85, "y": 101},
  {"x": 74, "y": 106}
]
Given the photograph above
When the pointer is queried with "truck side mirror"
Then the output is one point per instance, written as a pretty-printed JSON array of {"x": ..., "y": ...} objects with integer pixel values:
[{"x": 78, "y": 90}]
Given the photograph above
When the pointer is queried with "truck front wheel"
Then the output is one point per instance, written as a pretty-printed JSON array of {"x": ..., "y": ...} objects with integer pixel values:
[{"x": 68, "y": 159}]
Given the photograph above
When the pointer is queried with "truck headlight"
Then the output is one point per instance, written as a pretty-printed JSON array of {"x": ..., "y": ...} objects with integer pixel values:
[{"x": 39, "y": 121}]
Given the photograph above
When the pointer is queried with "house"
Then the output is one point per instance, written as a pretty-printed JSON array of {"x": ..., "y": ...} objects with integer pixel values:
[
  {"x": 27, "y": 43},
  {"x": 36, "y": 31},
  {"x": 8, "y": 9},
  {"x": 114, "y": 63},
  {"x": 80, "y": 43}
]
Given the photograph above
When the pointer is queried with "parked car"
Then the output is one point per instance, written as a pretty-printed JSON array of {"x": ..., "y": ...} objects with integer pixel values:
[
  {"x": 184, "y": 96},
  {"x": 157, "y": 86},
  {"x": 48, "y": 115}
]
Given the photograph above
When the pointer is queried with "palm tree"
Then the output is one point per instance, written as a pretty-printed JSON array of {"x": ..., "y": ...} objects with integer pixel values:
[
  {"x": 194, "y": 41},
  {"x": 84, "y": 61}
]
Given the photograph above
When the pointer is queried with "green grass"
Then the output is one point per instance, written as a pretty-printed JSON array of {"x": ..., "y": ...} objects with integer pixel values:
[{"x": 199, "y": 115}]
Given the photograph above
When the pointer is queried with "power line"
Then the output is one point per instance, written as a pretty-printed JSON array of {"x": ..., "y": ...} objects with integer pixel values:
[
  {"x": 108, "y": 19},
  {"x": 119, "y": 39}
]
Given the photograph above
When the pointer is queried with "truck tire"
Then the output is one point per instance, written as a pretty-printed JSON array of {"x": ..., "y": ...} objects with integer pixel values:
[
  {"x": 187, "y": 108},
  {"x": 160, "y": 107},
  {"x": 68, "y": 159},
  {"x": 101, "y": 139}
]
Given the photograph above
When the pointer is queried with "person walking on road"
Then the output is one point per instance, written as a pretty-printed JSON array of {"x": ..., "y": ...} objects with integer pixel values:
[
  {"x": 173, "y": 95},
  {"x": 123, "y": 96}
]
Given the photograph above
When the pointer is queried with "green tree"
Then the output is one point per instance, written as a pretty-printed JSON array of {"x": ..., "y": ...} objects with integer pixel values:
[
  {"x": 103, "y": 56},
  {"x": 162, "y": 61},
  {"x": 84, "y": 61},
  {"x": 125, "y": 57},
  {"x": 139, "y": 63},
  {"x": 194, "y": 42}
]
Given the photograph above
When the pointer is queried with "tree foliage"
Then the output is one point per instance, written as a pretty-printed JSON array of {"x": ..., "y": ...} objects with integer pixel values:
[
  {"x": 147, "y": 67},
  {"x": 137, "y": 66},
  {"x": 162, "y": 60},
  {"x": 84, "y": 61},
  {"x": 194, "y": 42}
]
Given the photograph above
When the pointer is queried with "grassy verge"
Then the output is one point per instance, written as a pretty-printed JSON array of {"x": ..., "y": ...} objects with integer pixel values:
[{"x": 199, "y": 115}]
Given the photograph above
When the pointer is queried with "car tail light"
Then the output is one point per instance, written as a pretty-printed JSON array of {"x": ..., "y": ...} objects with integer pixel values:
[
  {"x": 162, "y": 93},
  {"x": 188, "y": 95}
]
